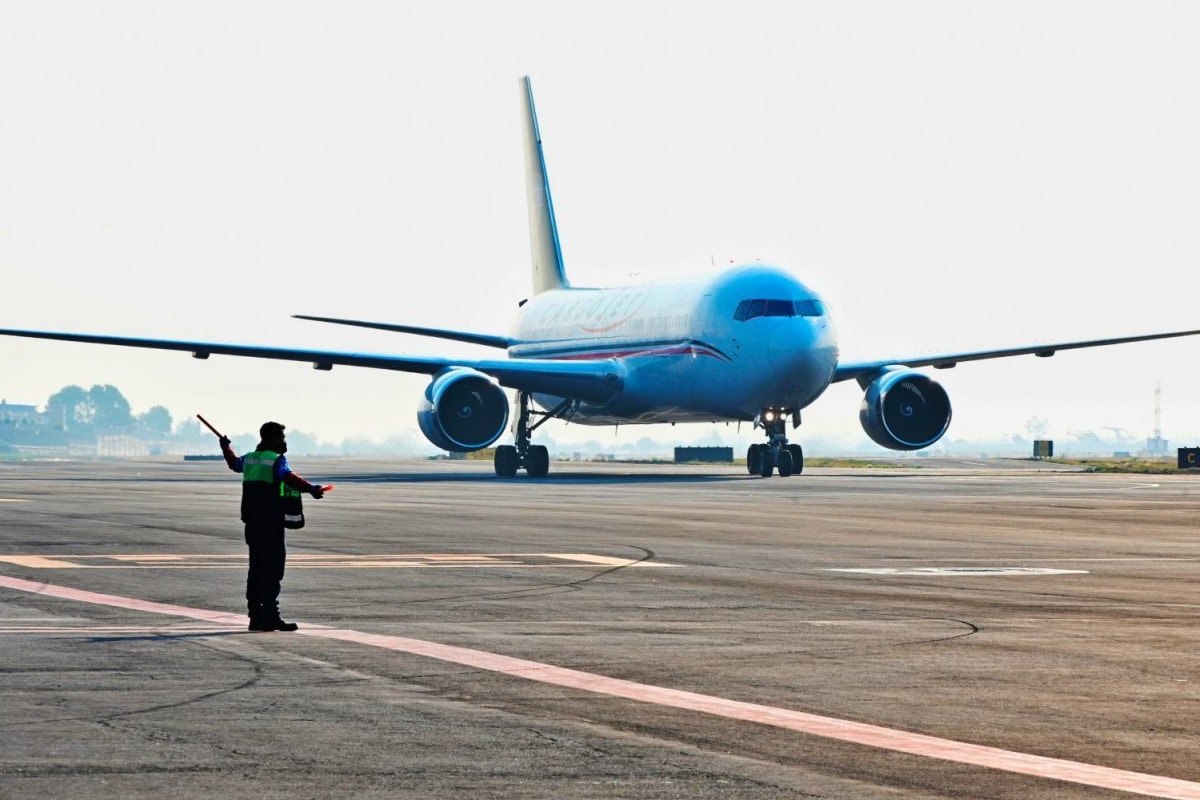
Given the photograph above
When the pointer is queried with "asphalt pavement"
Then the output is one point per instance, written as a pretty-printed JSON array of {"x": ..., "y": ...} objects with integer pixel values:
[{"x": 973, "y": 629}]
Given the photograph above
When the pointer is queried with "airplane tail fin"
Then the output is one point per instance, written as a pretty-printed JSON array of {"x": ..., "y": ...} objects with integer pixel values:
[{"x": 548, "y": 270}]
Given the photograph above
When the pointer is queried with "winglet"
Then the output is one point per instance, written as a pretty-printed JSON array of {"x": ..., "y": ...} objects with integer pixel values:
[{"x": 544, "y": 248}]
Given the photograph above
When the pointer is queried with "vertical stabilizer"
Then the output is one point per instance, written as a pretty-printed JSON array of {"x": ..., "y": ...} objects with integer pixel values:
[{"x": 543, "y": 231}]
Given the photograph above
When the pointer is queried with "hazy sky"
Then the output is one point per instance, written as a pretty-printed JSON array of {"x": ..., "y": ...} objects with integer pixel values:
[{"x": 948, "y": 175}]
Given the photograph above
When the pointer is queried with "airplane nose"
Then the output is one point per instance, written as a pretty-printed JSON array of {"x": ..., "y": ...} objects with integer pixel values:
[{"x": 790, "y": 342}]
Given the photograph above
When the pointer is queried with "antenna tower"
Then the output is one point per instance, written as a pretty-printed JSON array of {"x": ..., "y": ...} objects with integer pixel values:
[
  {"x": 1156, "y": 445},
  {"x": 1158, "y": 410}
]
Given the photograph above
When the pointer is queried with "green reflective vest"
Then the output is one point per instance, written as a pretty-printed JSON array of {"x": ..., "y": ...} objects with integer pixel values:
[{"x": 261, "y": 492}]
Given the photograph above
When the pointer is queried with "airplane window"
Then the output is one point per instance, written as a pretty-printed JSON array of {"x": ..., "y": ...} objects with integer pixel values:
[
  {"x": 780, "y": 308},
  {"x": 810, "y": 308},
  {"x": 749, "y": 309}
]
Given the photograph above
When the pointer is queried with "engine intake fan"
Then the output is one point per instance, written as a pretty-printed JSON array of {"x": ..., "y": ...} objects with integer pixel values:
[
  {"x": 905, "y": 410},
  {"x": 463, "y": 410}
]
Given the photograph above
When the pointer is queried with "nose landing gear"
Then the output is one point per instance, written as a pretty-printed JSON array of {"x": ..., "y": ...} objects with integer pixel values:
[{"x": 777, "y": 453}]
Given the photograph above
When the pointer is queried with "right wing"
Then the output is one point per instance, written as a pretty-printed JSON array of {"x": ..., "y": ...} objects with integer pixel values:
[
  {"x": 865, "y": 370},
  {"x": 590, "y": 381}
]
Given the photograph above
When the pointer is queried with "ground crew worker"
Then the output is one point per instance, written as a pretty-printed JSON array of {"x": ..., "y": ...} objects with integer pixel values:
[{"x": 265, "y": 477}]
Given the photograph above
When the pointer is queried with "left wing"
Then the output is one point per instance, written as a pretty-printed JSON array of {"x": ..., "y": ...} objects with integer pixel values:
[
  {"x": 440, "y": 333},
  {"x": 861, "y": 369},
  {"x": 591, "y": 381}
]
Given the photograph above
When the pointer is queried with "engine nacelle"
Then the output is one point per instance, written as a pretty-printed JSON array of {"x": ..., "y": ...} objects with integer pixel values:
[
  {"x": 905, "y": 410},
  {"x": 463, "y": 410}
]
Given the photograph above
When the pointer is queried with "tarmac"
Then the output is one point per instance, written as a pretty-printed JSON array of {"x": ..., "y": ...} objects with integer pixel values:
[{"x": 941, "y": 629}]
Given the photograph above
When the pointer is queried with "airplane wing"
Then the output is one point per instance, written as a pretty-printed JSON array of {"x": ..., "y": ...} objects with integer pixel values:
[
  {"x": 591, "y": 381},
  {"x": 866, "y": 369},
  {"x": 439, "y": 333}
]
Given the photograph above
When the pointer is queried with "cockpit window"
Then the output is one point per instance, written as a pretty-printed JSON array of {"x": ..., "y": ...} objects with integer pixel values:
[
  {"x": 749, "y": 309},
  {"x": 810, "y": 308}
]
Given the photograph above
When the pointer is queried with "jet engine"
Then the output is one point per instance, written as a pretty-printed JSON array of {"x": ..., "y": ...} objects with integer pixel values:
[
  {"x": 463, "y": 410},
  {"x": 904, "y": 410}
]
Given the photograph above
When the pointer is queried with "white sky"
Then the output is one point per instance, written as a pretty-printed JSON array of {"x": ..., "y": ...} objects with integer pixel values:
[{"x": 949, "y": 175}]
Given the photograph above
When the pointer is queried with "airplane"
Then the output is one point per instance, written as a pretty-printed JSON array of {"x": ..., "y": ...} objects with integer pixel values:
[{"x": 751, "y": 343}]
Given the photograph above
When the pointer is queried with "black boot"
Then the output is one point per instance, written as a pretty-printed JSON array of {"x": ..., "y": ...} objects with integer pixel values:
[
  {"x": 272, "y": 624},
  {"x": 259, "y": 616}
]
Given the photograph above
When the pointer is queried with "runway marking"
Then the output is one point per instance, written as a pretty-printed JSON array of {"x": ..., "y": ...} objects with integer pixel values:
[
  {"x": 957, "y": 572},
  {"x": 811, "y": 724},
  {"x": 112, "y": 630},
  {"x": 327, "y": 561},
  {"x": 38, "y": 562}
]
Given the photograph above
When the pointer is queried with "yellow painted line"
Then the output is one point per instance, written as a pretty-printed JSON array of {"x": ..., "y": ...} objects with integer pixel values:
[
  {"x": 148, "y": 557},
  {"x": 38, "y": 562}
]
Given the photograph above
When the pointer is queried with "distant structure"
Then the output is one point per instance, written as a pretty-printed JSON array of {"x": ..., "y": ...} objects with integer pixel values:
[
  {"x": 1156, "y": 445},
  {"x": 710, "y": 455},
  {"x": 13, "y": 413}
]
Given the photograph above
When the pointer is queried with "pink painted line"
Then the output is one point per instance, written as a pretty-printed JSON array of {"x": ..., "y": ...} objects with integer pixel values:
[
  {"x": 116, "y": 601},
  {"x": 827, "y": 727}
]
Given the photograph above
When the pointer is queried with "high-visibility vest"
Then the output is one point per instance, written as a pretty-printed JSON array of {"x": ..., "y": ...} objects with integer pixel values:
[
  {"x": 292, "y": 505},
  {"x": 260, "y": 490},
  {"x": 265, "y": 500}
]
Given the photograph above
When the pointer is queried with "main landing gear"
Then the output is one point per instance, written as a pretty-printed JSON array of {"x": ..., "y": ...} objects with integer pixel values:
[
  {"x": 776, "y": 454},
  {"x": 533, "y": 458}
]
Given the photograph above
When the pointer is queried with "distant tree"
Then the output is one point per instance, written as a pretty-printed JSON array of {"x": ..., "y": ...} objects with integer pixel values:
[
  {"x": 70, "y": 408},
  {"x": 110, "y": 409},
  {"x": 102, "y": 407},
  {"x": 155, "y": 422},
  {"x": 189, "y": 428},
  {"x": 302, "y": 443}
]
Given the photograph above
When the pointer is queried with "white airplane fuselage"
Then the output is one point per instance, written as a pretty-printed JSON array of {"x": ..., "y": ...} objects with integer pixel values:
[{"x": 685, "y": 354}]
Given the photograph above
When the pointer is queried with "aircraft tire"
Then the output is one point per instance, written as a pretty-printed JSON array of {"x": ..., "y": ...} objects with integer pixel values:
[
  {"x": 767, "y": 462},
  {"x": 506, "y": 461},
  {"x": 785, "y": 462},
  {"x": 538, "y": 461},
  {"x": 797, "y": 458},
  {"x": 754, "y": 459}
]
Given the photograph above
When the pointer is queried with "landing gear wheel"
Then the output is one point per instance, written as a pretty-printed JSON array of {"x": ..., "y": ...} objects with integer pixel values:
[
  {"x": 506, "y": 461},
  {"x": 537, "y": 463},
  {"x": 797, "y": 458},
  {"x": 754, "y": 458},
  {"x": 766, "y": 462},
  {"x": 785, "y": 462}
]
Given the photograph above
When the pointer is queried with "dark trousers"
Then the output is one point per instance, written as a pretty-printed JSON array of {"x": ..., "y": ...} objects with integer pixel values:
[{"x": 267, "y": 557}]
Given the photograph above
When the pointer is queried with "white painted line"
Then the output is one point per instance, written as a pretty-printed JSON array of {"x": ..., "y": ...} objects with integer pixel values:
[
  {"x": 160, "y": 561},
  {"x": 957, "y": 572},
  {"x": 810, "y": 724}
]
